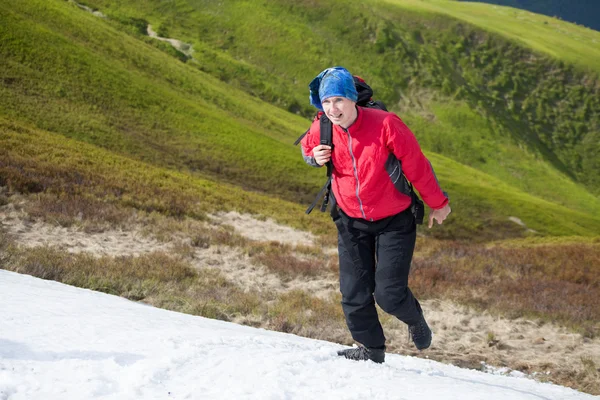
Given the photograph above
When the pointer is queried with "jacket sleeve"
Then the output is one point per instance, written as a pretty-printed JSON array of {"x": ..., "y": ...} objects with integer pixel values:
[
  {"x": 310, "y": 141},
  {"x": 403, "y": 144}
]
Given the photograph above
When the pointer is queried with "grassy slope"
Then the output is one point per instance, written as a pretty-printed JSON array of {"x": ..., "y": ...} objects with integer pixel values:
[
  {"x": 32, "y": 160},
  {"x": 460, "y": 131},
  {"x": 111, "y": 89},
  {"x": 549, "y": 107},
  {"x": 556, "y": 109},
  {"x": 561, "y": 40},
  {"x": 104, "y": 87}
]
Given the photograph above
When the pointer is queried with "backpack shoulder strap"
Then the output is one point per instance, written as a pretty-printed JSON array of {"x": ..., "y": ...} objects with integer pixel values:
[{"x": 327, "y": 138}]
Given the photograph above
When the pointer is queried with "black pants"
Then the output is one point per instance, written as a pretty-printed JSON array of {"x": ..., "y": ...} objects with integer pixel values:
[{"x": 375, "y": 261}]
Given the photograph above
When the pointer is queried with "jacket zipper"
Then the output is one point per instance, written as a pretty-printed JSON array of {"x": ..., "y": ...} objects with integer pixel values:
[{"x": 355, "y": 173}]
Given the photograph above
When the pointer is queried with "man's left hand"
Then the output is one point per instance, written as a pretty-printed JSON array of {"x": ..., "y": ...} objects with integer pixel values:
[{"x": 439, "y": 215}]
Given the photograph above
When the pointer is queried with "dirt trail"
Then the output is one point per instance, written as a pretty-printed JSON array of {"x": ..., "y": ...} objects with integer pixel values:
[
  {"x": 185, "y": 48},
  {"x": 461, "y": 336},
  {"x": 88, "y": 9}
]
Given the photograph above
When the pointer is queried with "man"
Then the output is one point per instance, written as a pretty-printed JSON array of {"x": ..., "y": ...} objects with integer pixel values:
[{"x": 376, "y": 228}]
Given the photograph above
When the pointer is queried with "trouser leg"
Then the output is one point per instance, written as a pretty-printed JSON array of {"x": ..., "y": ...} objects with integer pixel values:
[
  {"x": 394, "y": 248},
  {"x": 357, "y": 282}
]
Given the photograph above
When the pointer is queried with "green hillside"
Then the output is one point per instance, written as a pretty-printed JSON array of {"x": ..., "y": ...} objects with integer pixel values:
[
  {"x": 224, "y": 116},
  {"x": 537, "y": 97},
  {"x": 99, "y": 85}
]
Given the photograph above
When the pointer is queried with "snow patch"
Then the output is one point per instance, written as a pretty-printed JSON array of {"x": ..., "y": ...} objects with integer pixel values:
[{"x": 61, "y": 342}]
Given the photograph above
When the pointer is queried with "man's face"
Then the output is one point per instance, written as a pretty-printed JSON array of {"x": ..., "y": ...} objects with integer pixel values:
[{"x": 340, "y": 110}]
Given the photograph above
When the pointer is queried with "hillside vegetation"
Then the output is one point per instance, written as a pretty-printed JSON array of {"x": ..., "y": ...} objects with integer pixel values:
[
  {"x": 108, "y": 84},
  {"x": 101, "y": 86},
  {"x": 546, "y": 99}
]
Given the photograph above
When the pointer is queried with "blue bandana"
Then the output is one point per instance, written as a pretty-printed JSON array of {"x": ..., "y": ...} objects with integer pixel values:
[{"x": 336, "y": 81}]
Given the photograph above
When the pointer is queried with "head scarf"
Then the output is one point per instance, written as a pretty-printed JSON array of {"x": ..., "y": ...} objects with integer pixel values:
[{"x": 336, "y": 81}]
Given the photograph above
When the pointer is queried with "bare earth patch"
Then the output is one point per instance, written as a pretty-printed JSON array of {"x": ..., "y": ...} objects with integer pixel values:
[
  {"x": 108, "y": 243},
  {"x": 266, "y": 231},
  {"x": 461, "y": 336},
  {"x": 237, "y": 267}
]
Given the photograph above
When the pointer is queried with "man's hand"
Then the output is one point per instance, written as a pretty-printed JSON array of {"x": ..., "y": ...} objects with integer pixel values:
[
  {"x": 322, "y": 154},
  {"x": 439, "y": 215}
]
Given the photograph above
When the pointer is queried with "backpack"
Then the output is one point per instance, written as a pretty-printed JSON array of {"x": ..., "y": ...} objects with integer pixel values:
[{"x": 393, "y": 165}]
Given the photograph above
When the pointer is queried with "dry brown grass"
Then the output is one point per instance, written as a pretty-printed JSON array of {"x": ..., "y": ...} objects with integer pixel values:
[
  {"x": 558, "y": 282},
  {"x": 92, "y": 214},
  {"x": 5, "y": 241},
  {"x": 300, "y": 313},
  {"x": 279, "y": 258},
  {"x": 3, "y": 199}
]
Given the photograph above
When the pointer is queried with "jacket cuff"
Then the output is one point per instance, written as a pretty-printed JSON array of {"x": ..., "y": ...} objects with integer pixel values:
[{"x": 310, "y": 160}]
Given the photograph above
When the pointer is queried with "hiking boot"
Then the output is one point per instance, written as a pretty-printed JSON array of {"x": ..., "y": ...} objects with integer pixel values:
[
  {"x": 420, "y": 334},
  {"x": 362, "y": 353}
]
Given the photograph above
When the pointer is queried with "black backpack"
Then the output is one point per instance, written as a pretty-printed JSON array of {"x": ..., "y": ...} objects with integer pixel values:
[{"x": 393, "y": 165}]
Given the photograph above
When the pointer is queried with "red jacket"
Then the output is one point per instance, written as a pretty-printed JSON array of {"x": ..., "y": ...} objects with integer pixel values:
[{"x": 361, "y": 184}]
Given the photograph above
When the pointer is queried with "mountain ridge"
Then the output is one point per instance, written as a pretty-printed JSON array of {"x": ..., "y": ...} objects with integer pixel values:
[{"x": 585, "y": 13}]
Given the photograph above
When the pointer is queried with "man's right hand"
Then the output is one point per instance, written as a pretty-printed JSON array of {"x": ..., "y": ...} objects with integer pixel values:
[{"x": 322, "y": 154}]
